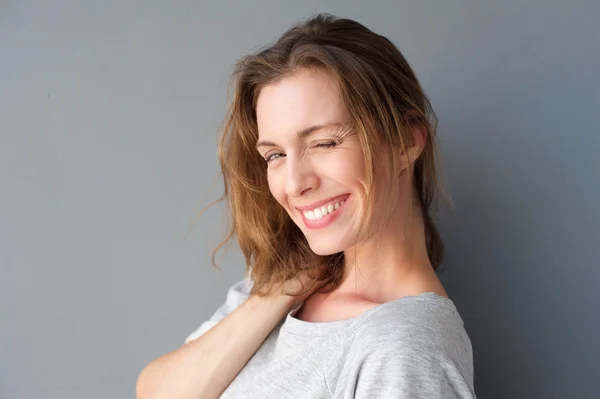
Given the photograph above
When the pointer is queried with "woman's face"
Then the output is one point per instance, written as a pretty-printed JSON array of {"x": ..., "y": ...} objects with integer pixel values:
[{"x": 315, "y": 164}]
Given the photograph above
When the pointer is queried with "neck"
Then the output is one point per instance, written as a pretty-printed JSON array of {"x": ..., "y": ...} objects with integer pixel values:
[{"x": 389, "y": 264}]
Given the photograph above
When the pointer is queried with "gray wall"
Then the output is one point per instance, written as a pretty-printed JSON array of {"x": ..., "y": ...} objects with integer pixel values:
[{"x": 108, "y": 119}]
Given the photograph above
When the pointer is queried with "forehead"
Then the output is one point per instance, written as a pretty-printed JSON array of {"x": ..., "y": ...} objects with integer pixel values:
[{"x": 307, "y": 98}]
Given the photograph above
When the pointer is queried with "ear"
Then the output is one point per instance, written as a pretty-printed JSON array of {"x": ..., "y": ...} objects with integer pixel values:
[{"x": 415, "y": 147}]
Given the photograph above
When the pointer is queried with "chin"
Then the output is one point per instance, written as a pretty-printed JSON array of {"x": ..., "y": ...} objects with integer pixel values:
[{"x": 322, "y": 248}]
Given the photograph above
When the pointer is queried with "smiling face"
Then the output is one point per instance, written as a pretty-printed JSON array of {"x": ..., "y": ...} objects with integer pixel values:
[{"x": 315, "y": 163}]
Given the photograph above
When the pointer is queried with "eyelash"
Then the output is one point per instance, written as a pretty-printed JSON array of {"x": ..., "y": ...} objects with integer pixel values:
[{"x": 328, "y": 144}]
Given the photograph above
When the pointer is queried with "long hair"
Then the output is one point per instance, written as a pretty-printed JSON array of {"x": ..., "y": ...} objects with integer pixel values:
[{"x": 384, "y": 100}]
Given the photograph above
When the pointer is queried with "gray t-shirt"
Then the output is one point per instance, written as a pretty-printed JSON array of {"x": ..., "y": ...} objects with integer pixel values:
[{"x": 411, "y": 347}]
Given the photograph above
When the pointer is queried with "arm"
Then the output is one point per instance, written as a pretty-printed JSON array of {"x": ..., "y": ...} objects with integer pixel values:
[
  {"x": 204, "y": 367},
  {"x": 216, "y": 352}
]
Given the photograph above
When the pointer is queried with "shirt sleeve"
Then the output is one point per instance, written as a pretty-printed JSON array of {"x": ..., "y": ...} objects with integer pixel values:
[
  {"x": 404, "y": 373},
  {"x": 236, "y": 295}
]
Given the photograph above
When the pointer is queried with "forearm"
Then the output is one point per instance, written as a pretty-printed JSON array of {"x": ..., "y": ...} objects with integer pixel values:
[{"x": 205, "y": 367}]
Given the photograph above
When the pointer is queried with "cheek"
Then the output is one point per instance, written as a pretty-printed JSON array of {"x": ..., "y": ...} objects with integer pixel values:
[
  {"x": 276, "y": 187},
  {"x": 349, "y": 168}
]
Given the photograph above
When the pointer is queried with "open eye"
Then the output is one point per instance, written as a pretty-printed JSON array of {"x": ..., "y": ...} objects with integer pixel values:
[{"x": 273, "y": 156}]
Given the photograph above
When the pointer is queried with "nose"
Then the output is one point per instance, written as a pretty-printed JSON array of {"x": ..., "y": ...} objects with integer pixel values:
[{"x": 300, "y": 176}]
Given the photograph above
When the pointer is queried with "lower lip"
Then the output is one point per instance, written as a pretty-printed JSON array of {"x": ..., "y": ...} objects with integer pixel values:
[{"x": 325, "y": 220}]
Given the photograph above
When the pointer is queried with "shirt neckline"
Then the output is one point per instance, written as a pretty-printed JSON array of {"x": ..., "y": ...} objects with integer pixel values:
[{"x": 301, "y": 327}]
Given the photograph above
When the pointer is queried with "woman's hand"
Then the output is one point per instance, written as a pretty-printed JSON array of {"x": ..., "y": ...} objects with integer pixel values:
[
  {"x": 306, "y": 283},
  {"x": 301, "y": 286}
]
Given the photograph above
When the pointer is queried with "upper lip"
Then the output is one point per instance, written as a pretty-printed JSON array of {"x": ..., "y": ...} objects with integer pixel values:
[{"x": 317, "y": 204}]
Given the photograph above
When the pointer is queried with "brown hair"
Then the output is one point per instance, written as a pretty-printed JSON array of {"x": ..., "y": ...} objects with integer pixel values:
[{"x": 383, "y": 98}]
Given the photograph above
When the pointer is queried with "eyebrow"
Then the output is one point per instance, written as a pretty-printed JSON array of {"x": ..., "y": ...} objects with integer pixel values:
[{"x": 301, "y": 133}]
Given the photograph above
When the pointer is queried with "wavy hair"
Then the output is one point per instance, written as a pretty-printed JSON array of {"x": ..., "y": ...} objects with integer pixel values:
[{"x": 384, "y": 100}]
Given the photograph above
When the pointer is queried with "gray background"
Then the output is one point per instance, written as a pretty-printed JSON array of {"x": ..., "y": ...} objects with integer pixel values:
[{"x": 108, "y": 120}]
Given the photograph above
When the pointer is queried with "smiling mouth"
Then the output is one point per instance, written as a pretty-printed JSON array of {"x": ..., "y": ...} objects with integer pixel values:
[
  {"x": 325, "y": 214},
  {"x": 326, "y": 209}
]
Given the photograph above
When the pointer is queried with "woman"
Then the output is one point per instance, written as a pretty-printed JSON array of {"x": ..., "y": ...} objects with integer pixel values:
[{"x": 328, "y": 158}]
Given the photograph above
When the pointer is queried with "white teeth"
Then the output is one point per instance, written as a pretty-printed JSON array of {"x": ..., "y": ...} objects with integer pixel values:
[{"x": 319, "y": 213}]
